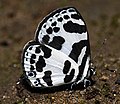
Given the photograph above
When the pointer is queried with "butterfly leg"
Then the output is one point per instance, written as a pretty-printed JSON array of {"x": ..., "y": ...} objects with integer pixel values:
[
  {"x": 91, "y": 70},
  {"x": 87, "y": 82},
  {"x": 73, "y": 85}
]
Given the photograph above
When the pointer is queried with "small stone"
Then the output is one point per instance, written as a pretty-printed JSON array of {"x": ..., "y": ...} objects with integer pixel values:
[
  {"x": 114, "y": 95},
  {"x": 112, "y": 59},
  {"x": 100, "y": 55},
  {"x": 14, "y": 65},
  {"x": 26, "y": 99},
  {"x": 106, "y": 65},
  {"x": 104, "y": 78},
  {"x": 4, "y": 97},
  {"x": 35, "y": 101},
  {"x": 53, "y": 98}
]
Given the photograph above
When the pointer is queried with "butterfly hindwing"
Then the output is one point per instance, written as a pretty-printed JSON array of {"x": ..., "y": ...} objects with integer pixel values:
[{"x": 46, "y": 66}]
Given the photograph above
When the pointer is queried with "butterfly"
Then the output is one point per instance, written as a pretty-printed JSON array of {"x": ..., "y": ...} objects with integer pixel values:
[{"x": 59, "y": 54}]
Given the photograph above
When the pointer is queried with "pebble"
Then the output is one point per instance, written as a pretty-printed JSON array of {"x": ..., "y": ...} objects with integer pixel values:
[
  {"x": 53, "y": 98},
  {"x": 107, "y": 66},
  {"x": 112, "y": 59},
  {"x": 4, "y": 97},
  {"x": 104, "y": 78},
  {"x": 114, "y": 95}
]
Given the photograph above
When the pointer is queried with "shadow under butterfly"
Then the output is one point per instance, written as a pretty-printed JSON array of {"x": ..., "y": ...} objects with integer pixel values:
[{"x": 59, "y": 56}]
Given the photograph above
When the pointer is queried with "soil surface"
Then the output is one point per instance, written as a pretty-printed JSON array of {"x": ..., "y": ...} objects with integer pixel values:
[{"x": 18, "y": 23}]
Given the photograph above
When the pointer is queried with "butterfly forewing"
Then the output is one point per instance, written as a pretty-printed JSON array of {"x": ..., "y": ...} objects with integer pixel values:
[{"x": 65, "y": 30}]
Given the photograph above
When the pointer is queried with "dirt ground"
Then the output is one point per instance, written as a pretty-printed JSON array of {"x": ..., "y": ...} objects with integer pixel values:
[{"x": 18, "y": 22}]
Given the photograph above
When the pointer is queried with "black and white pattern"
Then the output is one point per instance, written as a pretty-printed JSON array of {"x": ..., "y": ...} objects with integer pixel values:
[{"x": 60, "y": 52}]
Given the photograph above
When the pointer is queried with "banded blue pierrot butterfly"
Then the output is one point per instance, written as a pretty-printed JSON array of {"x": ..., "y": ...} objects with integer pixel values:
[{"x": 60, "y": 51}]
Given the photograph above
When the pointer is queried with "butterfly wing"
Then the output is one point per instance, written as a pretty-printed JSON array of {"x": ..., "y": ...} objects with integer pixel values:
[
  {"x": 65, "y": 30},
  {"x": 45, "y": 66}
]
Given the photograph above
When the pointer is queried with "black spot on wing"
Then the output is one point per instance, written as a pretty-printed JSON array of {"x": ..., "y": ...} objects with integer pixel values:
[
  {"x": 31, "y": 67},
  {"x": 56, "y": 29},
  {"x": 47, "y": 51},
  {"x": 40, "y": 64},
  {"x": 47, "y": 78},
  {"x": 37, "y": 82},
  {"x": 66, "y": 17},
  {"x": 76, "y": 16},
  {"x": 57, "y": 15},
  {"x": 44, "y": 26},
  {"x": 33, "y": 56},
  {"x": 32, "y": 61},
  {"x": 54, "y": 23},
  {"x": 37, "y": 50},
  {"x": 26, "y": 53},
  {"x": 31, "y": 74},
  {"x": 74, "y": 27},
  {"x": 60, "y": 19},
  {"x": 30, "y": 48},
  {"x": 77, "y": 48},
  {"x": 57, "y": 42},
  {"x": 66, "y": 67},
  {"x": 68, "y": 78},
  {"x": 63, "y": 12},
  {"x": 51, "y": 19},
  {"x": 49, "y": 30},
  {"x": 71, "y": 10},
  {"x": 45, "y": 39}
]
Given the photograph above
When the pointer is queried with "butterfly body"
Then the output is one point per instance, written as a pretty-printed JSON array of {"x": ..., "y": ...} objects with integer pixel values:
[{"x": 60, "y": 52}]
